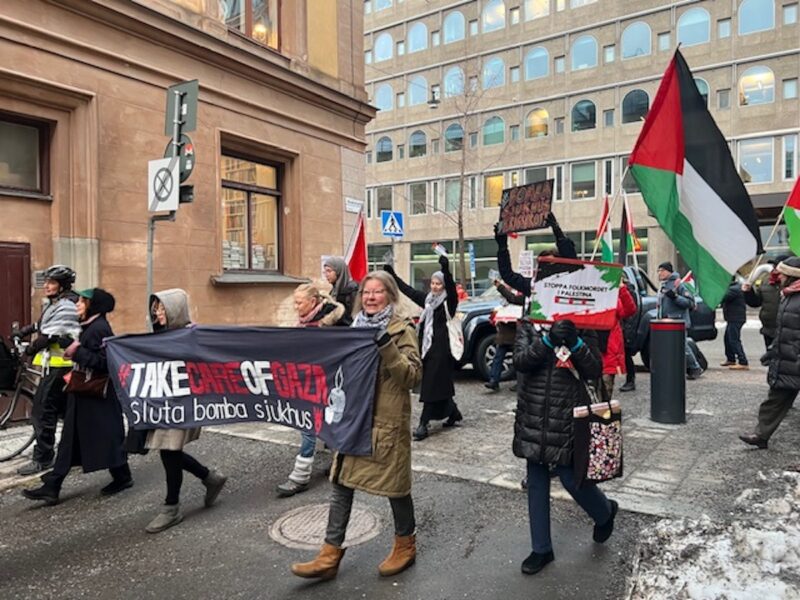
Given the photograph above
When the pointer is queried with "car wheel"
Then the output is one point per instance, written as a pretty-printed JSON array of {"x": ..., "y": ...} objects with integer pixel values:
[
  {"x": 484, "y": 356},
  {"x": 645, "y": 353}
]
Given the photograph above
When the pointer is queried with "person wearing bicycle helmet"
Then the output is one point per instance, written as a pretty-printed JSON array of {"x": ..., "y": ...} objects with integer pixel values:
[{"x": 59, "y": 318}]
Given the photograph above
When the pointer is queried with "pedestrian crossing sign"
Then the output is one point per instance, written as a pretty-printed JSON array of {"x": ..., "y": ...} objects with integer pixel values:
[{"x": 392, "y": 223}]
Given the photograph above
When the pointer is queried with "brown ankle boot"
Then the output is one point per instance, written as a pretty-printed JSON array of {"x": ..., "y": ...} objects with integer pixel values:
[
  {"x": 324, "y": 566},
  {"x": 402, "y": 556}
]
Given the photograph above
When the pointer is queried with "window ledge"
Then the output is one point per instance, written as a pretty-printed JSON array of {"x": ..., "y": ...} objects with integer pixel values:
[
  {"x": 12, "y": 193},
  {"x": 256, "y": 279}
]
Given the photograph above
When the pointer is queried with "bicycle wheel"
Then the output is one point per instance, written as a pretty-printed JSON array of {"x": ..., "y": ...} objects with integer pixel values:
[{"x": 16, "y": 427}]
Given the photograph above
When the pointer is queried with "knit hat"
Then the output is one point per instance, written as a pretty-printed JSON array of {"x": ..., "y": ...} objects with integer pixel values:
[
  {"x": 667, "y": 266},
  {"x": 100, "y": 301},
  {"x": 790, "y": 267}
]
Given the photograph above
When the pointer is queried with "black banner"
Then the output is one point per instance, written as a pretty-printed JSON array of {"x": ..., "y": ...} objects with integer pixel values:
[
  {"x": 525, "y": 207},
  {"x": 321, "y": 381}
]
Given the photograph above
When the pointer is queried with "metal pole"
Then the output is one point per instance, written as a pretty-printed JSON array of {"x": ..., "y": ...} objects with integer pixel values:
[{"x": 610, "y": 210}]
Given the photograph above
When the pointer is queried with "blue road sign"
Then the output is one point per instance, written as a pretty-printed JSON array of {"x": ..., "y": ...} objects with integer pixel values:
[
  {"x": 392, "y": 223},
  {"x": 472, "y": 260}
]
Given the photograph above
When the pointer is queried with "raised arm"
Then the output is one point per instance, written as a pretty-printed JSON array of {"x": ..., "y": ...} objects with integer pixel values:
[
  {"x": 566, "y": 247},
  {"x": 507, "y": 274},
  {"x": 414, "y": 295},
  {"x": 449, "y": 286}
]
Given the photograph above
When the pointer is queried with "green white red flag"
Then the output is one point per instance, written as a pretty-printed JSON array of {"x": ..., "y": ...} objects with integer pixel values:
[
  {"x": 604, "y": 235},
  {"x": 791, "y": 216},
  {"x": 627, "y": 234}
]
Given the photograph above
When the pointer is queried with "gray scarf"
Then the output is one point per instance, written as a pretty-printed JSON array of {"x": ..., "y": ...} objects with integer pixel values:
[
  {"x": 342, "y": 275},
  {"x": 432, "y": 302},
  {"x": 376, "y": 321}
]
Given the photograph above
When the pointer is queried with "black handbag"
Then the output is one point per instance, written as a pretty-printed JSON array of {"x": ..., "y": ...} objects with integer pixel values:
[
  {"x": 135, "y": 441},
  {"x": 83, "y": 383}
]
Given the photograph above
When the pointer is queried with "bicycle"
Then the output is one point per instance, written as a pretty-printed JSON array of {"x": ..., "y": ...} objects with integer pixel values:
[{"x": 15, "y": 421}]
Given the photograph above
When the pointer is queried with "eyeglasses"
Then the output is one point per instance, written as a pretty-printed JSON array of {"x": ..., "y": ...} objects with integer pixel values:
[{"x": 373, "y": 292}]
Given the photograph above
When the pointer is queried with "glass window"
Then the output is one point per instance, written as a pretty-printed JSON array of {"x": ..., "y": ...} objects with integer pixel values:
[
  {"x": 454, "y": 82},
  {"x": 535, "y": 174},
  {"x": 723, "y": 99},
  {"x": 636, "y": 40},
  {"x": 694, "y": 27},
  {"x": 635, "y": 105},
  {"x": 367, "y": 7},
  {"x": 536, "y": 123},
  {"x": 789, "y": 14},
  {"x": 608, "y": 118},
  {"x": 257, "y": 19},
  {"x": 376, "y": 256},
  {"x": 664, "y": 41},
  {"x": 436, "y": 92},
  {"x": 401, "y": 151},
  {"x": 383, "y": 97},
  {"x": 401, "y": 99},
  {"x": 514, "y": 15},
  {"x": 435, "y": 146},
  {"x": 723, "y": 28},
  {"x": 790, "y": 88},
  {"x": 537, "y": 63},
  {"x": 514, "y": 131},
  {"x": 609, "y": 53},
  {"x": 383, "y": 150},
  {"x": 702, "y": 87},
  {"x": 559, "y": 62},
  {"x": 756, "y": 15},
  {"x": 368, "y": 156},
  {"x": 493, "y": 131},
  {"x": 757, "y": 86},
  {"x": 558, "y": 193},
  {"x": 561, "y": 5},
  {"x": 453, "y": 27},
  {"x": 417, "y": 144},
  {"x": 492, "y": 190},
  {"x": 417, "y": 90},
  {"x": 401, "y": 48},
  {"x": 23, "y": 155},
  {"x": 583, "y": 180},
  {"x": 514, "y": 175},
  {"x": 514, "y": 72},
  {"x": 583, "y": 115},
  {"x": 473, "y": 27},
  {"x": 251, "y": 194},
  {"x": 435, "y": 38},
  {"x": 559, "y": 121},
  {"x": 494, "y": 73},
  {"x": 384, "y": 199},
  {"x": 577, "y": 3},
  {"x": 368, "y": 57},
  {"x": 453, "y": 138},
  {"x": 382, "y": 4},
  {"x": 755, "y": 160},
  {"x": 418, "y": 198},
  {"x": 789, "y": 157},
  {"x": 473, "y": 83},
  {"x": 473, "y": 139},
  {"x": 628, "y": 182},
  {"x": 417, "y": 37},
  {"x": 584, "y": 53},
  {"x": 534, "y": 9},
  {"x": 383, "y": 47},
  {"x": 493, "y": 16},
  {"x": 608, "y": 177},
  {"x": 473, "y": 192},
  {"x": 452, "y": 195}
]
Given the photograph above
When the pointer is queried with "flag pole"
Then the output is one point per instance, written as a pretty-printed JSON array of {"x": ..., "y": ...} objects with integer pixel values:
[
  {"x": 769, "y": 239},
  {"x": 608, "y": 216}
]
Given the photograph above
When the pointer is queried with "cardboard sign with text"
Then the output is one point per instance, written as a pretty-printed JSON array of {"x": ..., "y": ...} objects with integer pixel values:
[
  {"x": 525, "y": 207},
  {"x": 582, "y": 291}
]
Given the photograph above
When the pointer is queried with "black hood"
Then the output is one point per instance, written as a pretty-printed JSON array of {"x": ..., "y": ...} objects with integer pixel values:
[{"x": 100, "y": 303}]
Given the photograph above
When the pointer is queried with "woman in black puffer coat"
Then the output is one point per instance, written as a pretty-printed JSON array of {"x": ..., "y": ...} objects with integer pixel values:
[{"x": 543, "y": 433}]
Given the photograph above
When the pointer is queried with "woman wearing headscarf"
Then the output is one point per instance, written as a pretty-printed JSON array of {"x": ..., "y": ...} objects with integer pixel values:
[
  {"x": 344, "y": 289},
  {"x": 93, "y": 433},
  {"x": 387, "y": 472},
  {"x": 170, "y": 310},
  {"x": 313, "y": 310},
  {"x": 438, "y": 364}
]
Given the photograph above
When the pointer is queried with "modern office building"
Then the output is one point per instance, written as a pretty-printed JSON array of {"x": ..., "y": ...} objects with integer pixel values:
[{"x": 515, "y": 91}]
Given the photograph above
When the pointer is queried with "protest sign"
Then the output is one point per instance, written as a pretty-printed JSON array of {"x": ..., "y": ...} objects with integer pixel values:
[
  {"x": 320, "y": 381},
  {"x": 582, "y": 291},
  {"x": 525, "y": 207},
  {"x": 526, "y": 263}
]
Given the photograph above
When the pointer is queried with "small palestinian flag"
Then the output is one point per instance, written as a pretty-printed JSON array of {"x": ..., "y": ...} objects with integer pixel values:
[
  {"x": 627, "y": 234},
  {"x": 791, "y": 216},
  {"x": 684, "y": 169},
  {"x": 604, "y": 235},
  {"x": 688, "y": 282}
]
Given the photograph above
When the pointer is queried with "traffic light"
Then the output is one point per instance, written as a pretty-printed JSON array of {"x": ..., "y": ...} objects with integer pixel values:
[{"x": 186, "y": 194}]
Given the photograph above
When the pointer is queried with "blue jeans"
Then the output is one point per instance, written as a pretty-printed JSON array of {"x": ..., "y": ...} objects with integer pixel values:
[
  {"x": 733, "y": 343},
  {"x": 497, "y": 363},
  {"x": 308, "y": 444},
  {"x": 588, "y": 496},
  {"x": 691, "y": 359}
]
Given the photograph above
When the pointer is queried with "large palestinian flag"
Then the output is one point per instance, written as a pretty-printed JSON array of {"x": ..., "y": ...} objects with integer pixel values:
[
  {"x": 688, "y": 180},
  {"x": 791, "y": 216}
]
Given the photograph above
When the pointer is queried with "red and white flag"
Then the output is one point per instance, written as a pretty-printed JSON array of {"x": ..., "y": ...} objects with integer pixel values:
[{"x": 356, "y": 257}]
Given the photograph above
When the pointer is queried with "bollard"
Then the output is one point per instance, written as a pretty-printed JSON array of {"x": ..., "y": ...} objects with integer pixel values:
[{"x": 667, "y": 371}]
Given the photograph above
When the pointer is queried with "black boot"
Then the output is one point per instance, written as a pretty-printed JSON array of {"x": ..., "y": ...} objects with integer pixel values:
[
  {"x": 421, "y": 432},
  {"x": 454, "y": 418},
  {"x": 628, "y": 386},
  {"x": 47, "y": 494},
  {"x": 536, "y": 562}
]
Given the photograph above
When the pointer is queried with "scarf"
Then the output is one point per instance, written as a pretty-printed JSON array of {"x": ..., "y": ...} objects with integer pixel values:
[
  {"x": 342, "y": 275},
  {"x": 376, "y": 321},
  {"x": 303, "y": 321},
  {"x": 60, "y": 318},
  {"x": 432, "y": 302},
  {"x": 790, "y": 289}
]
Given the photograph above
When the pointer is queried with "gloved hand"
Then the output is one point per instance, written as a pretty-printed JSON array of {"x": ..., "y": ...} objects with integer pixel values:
[
  {"x": 23, "y": 332},
  {"x": 382, "y": 337},
  {"x": 564, "y": 333},
  {"x": 65, "y": 341},
  {"x": 389, "y": 269},
  {"x": 30, "y": 351},
  {"x": 767, "y": 357},
  {"x": 445, "y": 264},
  {"x": 552, "y": 222},
  {"x": 500, "y": 238},
  {"x": 671, "y": 294}
]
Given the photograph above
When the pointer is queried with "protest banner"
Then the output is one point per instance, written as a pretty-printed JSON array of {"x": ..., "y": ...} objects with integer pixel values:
[
  {"x": 526, "y": 261},
  {"x": 525, "y": 207},
  {"x": 582, "y": 291},
  {"x": 320, "y": 381}
]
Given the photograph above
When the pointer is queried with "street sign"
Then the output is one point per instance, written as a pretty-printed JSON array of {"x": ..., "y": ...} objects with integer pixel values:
[
  {"x": 186, "y": 154},
  {"x": 392, "y": 223},
  {"x": 472, "y": 260},
  {"x": 163, "y": 184},
  {"x": 188, "y": 92}
]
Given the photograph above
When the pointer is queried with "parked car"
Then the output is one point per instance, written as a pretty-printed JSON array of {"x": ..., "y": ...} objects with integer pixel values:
[{"x": 479, "y": 332}]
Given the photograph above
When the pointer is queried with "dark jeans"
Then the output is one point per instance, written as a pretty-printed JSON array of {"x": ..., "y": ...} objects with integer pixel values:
[
  {"x": 342, "y": 503},
  {"x": 734, "y": 351},
  {"x": 773, "y": 410},
  {"x": 175, "y": 463},
  {"x": 48, "y": 401},
  {"x": 588, "y": 496},
  {"x": 497, "y": 363},
  {"x": 55, "y": 478},
  {"x": 630, "y": 368}
]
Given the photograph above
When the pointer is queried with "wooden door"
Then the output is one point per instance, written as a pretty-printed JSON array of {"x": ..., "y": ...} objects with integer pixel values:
[{"x": 15, "y": 285}]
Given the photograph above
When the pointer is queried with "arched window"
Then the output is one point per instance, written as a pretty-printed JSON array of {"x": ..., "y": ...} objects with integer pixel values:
[
  {"x": 636, "y": 40},
  {"x": 417, "y": 144},
  {"x": 493, "y": 131},
  {"x": 756, "y": 15},
  {"x": 757, "y": 86},
  {"x": 417, "y": 37},
  {"x": 493, "y": 16},
  {"x": 702, "y": 87},
  {"x": 494, "y": 73},
  {"x": 536, "y": 123},
  {"x": 694, "y": 27},
  {"x": 383, "y": 150},
  {"x": 535, "y": 9},
  {"x": 635, "y": 105},
  {"x": 454, "y": 26},
  {"x": 453, "y": 138},
  {"x": 537, "y": 63},
  {"x": 454, "y": 82},
  {"x": 584, "y": 115},
  {"x": 382, "y": 4},
  {"x": 382, "y": 49},
  {"x": 417, "y": 90},
  {"x": 384, "y": 97},
  {"x": 584, "y": 53}
]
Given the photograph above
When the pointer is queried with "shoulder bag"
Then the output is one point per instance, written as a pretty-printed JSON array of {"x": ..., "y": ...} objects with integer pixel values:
[
  {"x": 85, "y": 383},
  {"x": 455, "y": 333}
]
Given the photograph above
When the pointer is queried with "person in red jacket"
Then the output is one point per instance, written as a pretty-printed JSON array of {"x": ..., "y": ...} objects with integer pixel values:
[{"x": 614, "y": 356}]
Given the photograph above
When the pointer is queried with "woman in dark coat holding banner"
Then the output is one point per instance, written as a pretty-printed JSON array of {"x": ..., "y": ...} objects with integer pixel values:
[
  {"x": 438, "y": 364},
  {"x": 93, "y": 433}
]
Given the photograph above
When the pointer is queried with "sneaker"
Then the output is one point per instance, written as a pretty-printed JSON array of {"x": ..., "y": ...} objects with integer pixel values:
[
  {"x": 213, "y": 482},
  {"x": 290, "y": 488},
  {"x": 536, "y": 562},
  {"x": 492, "y": 385},
  {"x": 48, "y": 495},
  {"x": 739, "y": 367},
  {"x": 694, "y": 374},
  {"x": 602, "y": 532},
  {"x": 116, "y": 486},
  {"x": 169, "y": 516},
  {"x": 628, "y": 386},
  {"x": 524, "y": 483},
  {"x": 727, "y": 363},
  {"x": 421, "y": 432},
  {"x": 34, "y": 467}
]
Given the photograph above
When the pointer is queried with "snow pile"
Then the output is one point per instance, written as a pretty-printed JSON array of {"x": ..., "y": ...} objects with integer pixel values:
[{"x": 755, "y": 555}]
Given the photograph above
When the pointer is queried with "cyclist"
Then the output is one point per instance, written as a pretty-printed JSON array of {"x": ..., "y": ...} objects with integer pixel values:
[{"x": 59, "y": 317}]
